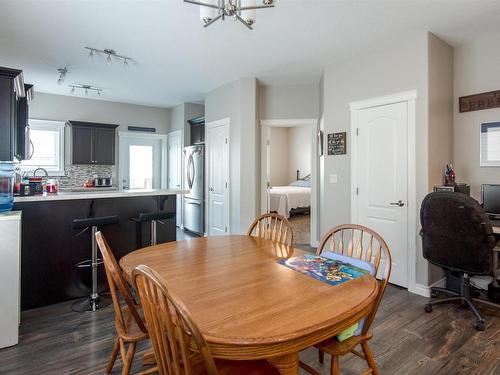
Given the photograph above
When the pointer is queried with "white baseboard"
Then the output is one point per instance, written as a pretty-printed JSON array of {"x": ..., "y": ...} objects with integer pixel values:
[{"x": 425, "y": 291}]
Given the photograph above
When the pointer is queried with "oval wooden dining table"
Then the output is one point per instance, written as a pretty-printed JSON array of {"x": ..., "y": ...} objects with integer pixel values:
[{"x": 246, "y": 304}]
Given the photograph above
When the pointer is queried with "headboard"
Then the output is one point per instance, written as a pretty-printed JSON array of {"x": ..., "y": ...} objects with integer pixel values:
[{"x": 305, "y": 178}]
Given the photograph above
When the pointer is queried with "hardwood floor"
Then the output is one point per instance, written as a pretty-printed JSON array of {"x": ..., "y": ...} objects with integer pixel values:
[{"x": 55, "y": 340}]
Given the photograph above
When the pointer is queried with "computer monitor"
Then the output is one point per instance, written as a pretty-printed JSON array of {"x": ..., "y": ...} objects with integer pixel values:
[{"x": 490, "y": 196}]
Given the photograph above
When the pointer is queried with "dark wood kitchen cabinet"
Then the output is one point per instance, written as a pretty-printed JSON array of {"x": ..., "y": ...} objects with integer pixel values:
[
  {"x": 51, "y": 247},
  {"x": 23, "y": 146},
  {"x": 11, "y": 88},
  {"x": 93, "y": 143}
]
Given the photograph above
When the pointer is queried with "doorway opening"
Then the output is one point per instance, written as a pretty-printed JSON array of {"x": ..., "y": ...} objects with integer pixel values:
[
  {"x": 142, "y": 161},
  {"x": 289, "y": 173}
]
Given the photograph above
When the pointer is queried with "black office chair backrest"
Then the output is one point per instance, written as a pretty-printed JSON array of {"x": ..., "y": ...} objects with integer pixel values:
[{"x": 456, "y": 233}]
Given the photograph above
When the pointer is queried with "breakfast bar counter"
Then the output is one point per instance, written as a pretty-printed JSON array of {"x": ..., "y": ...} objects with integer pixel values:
[{"x": 51, "y": 246}]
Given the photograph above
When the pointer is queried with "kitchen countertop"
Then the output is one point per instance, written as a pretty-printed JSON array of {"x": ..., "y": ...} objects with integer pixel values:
[{"x": 93, "y": 194}]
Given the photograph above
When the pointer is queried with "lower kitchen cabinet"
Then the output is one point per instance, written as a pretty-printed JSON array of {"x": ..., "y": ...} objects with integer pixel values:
[{"x": 51, "y": 247}]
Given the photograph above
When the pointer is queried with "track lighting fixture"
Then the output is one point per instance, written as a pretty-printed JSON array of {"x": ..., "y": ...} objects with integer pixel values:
[
  {"x": 85, "y": 88},
  {"x": 110, "y": 55},
  {"x": 62, "y": 75}
]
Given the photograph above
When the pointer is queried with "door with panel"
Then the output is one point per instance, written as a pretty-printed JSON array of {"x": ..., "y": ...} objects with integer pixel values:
[
  {"x": 218, "y": 179},
  {"x": 380, "y": 179},
  {"x": 175, "y": 168}
]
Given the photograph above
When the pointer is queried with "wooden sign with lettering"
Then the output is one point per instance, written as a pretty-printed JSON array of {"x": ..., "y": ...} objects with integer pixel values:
[
  {"x": 337, "y": 143},
  {"x": 477, "y": 102}
]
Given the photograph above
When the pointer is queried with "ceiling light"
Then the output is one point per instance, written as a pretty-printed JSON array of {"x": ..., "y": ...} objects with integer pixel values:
[
  {"x": 85, "y": 88},
  {"x": 243, "y": 11},
  {"x": 110, "y": 53},
  {"x": 62, "y": 75}
]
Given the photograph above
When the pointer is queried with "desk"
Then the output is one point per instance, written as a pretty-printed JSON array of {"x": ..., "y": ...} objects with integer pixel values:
[{"x": 248, "y": 306}]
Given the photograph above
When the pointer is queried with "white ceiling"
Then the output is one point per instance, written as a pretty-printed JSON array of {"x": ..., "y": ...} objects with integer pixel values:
[{"x": 177, "y": 60}]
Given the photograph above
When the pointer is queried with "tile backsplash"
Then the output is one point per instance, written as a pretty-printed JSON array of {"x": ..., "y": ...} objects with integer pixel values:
[{"x": 76, "y": 175}]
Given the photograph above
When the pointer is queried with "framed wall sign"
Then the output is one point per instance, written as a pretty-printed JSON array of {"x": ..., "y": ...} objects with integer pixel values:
[
  {"x": 489, "y": 147},
  {"x": 337, "y": 143}
]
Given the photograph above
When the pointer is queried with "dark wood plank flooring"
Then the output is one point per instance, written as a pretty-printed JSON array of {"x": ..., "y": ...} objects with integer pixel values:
[{"x": 55, "y": 340}]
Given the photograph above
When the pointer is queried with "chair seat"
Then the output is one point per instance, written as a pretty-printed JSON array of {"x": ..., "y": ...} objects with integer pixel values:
[
  {"x": 335, "y": 347},
  {"x": 132, "y": 330},
  {"x": 226, "y": 367}
]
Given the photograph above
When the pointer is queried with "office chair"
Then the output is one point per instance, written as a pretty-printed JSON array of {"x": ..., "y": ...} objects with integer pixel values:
[{"x": 457, "y": 235}]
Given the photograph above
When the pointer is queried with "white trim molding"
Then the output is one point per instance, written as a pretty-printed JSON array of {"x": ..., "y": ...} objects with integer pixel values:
[
  {"x": 123, "y": 135},
  {"x": 425, "y": 291},
  {"x": 59, "y": 127},
  {"x": 289, "y": 123},
  {"x": 410, "y": 98},
  {"x": 313, "y": 123},
  {"x": 399, "y": 97}
]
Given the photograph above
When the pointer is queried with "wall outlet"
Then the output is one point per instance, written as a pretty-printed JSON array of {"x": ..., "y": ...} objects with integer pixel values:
[{"x": 334, "y": 178}]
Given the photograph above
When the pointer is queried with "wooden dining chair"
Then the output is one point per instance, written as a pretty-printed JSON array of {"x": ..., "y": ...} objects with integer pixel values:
[
  {"x": 178, "y": 344},
  {"x": 272, "y": 227},
  {"x": 362, "y": 243},
  {"x": 129, "y": 324}
]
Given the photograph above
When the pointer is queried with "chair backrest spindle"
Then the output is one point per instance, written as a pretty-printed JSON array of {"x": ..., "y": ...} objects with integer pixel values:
[
  {"x": 171, "y": 328},
  {"x": 273, "y": 227},
  {"x": 376, "y": 251}
]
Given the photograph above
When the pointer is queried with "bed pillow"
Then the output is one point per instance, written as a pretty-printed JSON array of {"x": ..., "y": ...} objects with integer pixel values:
[{"x": 301, "y": 183}]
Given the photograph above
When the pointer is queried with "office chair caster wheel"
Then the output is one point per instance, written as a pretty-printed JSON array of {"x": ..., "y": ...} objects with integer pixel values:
[
  {"x": 480, "y": 325},
  {"x": 428, "y": 308},
  {"x": 434, "y": 294}
]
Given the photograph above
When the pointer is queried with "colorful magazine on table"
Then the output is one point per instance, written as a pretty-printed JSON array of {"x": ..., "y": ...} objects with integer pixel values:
[{"x": 331, "y": 271}]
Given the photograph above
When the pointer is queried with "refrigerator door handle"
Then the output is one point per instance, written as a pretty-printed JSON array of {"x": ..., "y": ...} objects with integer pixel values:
[{"x": 190, "y": 171}]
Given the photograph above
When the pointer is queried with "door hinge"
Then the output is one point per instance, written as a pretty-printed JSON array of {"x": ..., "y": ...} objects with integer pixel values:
[
  {"x": 226, "y": 141},
  {"x": 226, "y": 185},
  {"x": 357, "y": 131},
  {"x": 268, "y": 143},
  {"x": 357, "y": 191},
  {"x": 225, "y": 229}
]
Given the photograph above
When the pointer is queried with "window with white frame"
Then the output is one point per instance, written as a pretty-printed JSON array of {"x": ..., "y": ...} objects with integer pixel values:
[{"x": 47, "y": 147}]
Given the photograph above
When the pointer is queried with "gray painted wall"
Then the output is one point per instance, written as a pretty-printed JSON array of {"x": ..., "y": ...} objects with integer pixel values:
[
  {"x": 289, "y": 101},
  {"x": 440, "y": 118},
  {"x": 399, "y": 68},
  {"x": 476, "y": 71},
  {"x": 62, "y": 108},
  {"x": 179, "y": 116},
  {"x": 238, "y": 102}
]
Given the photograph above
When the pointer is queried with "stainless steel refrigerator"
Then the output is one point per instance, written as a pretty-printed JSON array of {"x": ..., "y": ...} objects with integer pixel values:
[{"x": 194, "y": 180}]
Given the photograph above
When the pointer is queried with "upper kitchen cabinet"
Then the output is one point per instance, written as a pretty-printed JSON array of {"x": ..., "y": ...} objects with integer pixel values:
[
  {"x": 92, "y": 143},
  {"x": 11, "y": 89},
  {"x": 23, "y": 150}
]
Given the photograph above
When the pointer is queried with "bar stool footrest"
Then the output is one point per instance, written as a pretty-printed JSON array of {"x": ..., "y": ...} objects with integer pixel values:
[{"x": 88, "y": 263}]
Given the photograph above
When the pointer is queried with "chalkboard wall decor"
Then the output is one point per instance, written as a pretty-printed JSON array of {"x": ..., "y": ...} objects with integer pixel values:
[{"x": 337, "y": 143}]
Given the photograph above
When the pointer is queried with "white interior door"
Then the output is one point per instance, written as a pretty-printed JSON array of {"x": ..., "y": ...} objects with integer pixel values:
[
  {"x": 218, "y": 179},
  {"x": 380, "y": 179},
  {"x": 140, "y": 163},
  {"x": 174, "y": 180}
]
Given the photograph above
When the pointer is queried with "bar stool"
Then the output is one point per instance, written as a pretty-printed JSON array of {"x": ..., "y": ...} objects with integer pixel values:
[
  {"x": 93, "y": 302},
  {"x": 153, "y": 218}
]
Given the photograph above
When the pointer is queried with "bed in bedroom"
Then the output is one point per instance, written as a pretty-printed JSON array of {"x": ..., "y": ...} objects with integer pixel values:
[{"x": 292, "y": 199}]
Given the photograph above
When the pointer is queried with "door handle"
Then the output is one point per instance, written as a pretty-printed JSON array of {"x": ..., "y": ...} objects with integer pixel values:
[
  {"x": 211, "y": 189},
  {"x": 399, "y": 203}
]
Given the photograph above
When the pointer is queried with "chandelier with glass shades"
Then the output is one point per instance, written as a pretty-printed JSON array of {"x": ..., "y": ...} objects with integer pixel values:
[{"x": 241, "y": 10}]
